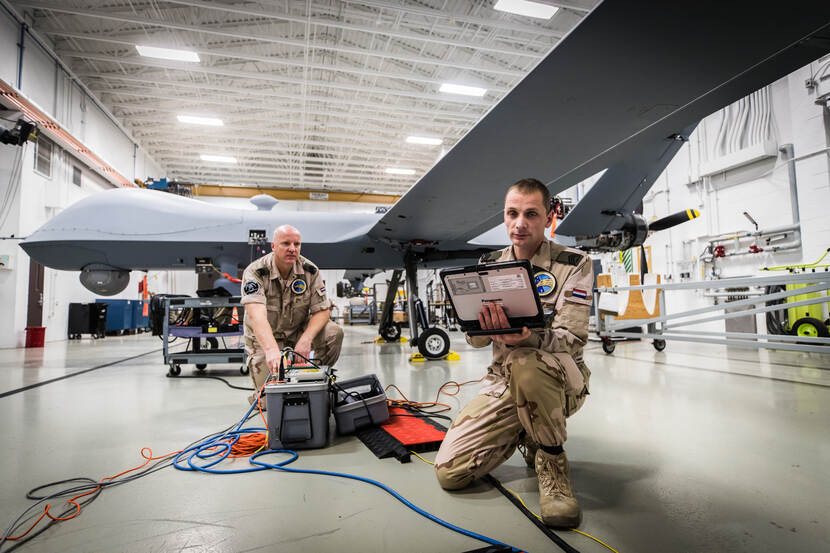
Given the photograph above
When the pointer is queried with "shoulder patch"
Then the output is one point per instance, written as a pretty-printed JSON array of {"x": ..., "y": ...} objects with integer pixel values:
[
  {"x": 491, "y": 256},
  {"x": 263, "y": 272},
  {"x": 250, "y": 287},
  {"x": 309, "y": 268},
  {"x": 570, "y": 258}
]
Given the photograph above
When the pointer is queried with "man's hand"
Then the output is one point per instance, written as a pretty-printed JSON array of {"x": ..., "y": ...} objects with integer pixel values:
[
  {"x": 303, "y": 348},
  {"x": 492, "y": 317},
  {"x": 272, "y": 359}
]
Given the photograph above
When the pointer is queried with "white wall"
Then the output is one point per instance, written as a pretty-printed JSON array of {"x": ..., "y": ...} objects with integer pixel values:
[
  {"x": 761, "y": 187},
  {"x": 34, "y": 198}
]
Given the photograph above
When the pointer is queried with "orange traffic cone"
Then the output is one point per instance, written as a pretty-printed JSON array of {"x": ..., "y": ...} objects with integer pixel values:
[{"x": 234, "y": 317}]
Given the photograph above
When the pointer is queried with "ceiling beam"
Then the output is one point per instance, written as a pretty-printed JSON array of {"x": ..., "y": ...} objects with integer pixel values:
[
  {"x": 238, "y": 9},
  {"x": 332, "y": 100},
  {"x": 276, "y": 59},
  {"x": 258, "y": 120},
  {"x": 160, "y": 146},
  {"x": 148, "y": 135},
  {"x": 423, "y": 126},
  {"x": 62, "y": 8},
  {"x": 274, "y": 78},
  {"x": 396, "y": 5}
]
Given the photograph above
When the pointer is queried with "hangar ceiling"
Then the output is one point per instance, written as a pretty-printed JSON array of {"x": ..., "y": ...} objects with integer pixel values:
[{"x": 314, "y": 94}]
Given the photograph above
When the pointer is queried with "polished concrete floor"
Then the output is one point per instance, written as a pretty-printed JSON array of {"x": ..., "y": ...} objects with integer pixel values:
[{"x": 695, "y": 449}]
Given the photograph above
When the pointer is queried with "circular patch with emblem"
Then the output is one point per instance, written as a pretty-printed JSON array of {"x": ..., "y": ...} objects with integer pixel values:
[
  {"x": 545, "y": 283},
  {"x": 251, "y": 287},
  {"x": 298, "y": 286}
]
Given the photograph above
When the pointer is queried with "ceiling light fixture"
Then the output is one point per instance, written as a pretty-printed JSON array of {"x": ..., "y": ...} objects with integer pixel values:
[
  {"x": 397, "y": 171},
  {"x": 424, "y": 140},
  {"x": 167, "y": 53},
  {"x": 462, "y": 89},
  {"x": 220, "y": 159},
  {"x": 196, "y": 120},
  {"x": 524, "y": 7}
]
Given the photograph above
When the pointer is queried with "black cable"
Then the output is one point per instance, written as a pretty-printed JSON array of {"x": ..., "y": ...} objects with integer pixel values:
[
  {"x": 45, "y": 382},
  {"x": 565, "y": 546},
  {"x": 159, "y": 464},
  {"x": 333, "y": 381},
  {"x": 213, "y": 378}
]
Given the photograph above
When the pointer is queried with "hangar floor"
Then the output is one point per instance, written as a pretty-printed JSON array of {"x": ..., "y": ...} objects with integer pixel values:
[{"x": 695, "y": 449}]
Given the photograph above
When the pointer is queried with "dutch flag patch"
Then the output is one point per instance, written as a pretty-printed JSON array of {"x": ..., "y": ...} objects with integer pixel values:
[{"x": 580, "y": 293}]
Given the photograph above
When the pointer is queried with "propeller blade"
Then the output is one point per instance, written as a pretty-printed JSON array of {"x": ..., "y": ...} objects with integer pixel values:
[{"x": 674, "y": 219}]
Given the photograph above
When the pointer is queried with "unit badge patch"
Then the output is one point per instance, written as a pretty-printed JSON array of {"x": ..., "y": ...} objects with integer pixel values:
[
  {"x": 251, "y": 287},
  {"x": 298, "y": 286},
  {"x": 545, "y": 283}
]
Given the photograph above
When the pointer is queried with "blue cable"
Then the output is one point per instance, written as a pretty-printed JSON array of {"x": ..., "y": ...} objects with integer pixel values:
[{"x": 219, "y": 447}]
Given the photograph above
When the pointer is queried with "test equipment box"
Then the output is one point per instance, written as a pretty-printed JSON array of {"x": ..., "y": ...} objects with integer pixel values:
[
  {"x": 358, "y": 403},
  {"x": 298, "y": 409}
]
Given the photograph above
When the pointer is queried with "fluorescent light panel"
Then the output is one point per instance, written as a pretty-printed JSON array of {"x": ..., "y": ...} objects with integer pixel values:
[
  {"x": 167, "y": 53},
  {"x": 397, "y": 171},
  {"x": 196, "y": 120},
  {"x": 220, "y": 159},
  {"x": 424, "y": 140},
  {"x": 464, "y": 90},
  {"x": 524, "y": 7}
]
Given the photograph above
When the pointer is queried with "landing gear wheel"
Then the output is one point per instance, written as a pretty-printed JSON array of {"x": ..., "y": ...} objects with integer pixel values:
[
  {"x": 201, "y": 367},
  {"x": 810, "y": 327},
  {"x": 243, "y": 369},
  {"x": 391, "y": 333},
  {"x": 608, "y": 346},
  {"x": 212, "y": 343},
  {"x": 659, "y": 344},
  {"x": 175, "y": 370},
  {"x": 434, "y": 343}
]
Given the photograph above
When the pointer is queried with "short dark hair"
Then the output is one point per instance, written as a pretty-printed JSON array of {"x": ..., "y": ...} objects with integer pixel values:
[{"x": 529, "y": 186}]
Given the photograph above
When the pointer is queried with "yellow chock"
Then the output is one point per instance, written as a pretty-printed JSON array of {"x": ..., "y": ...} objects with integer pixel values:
[
  {"x": 382, "y": 340},
  {"x": 418, "y": 358}
]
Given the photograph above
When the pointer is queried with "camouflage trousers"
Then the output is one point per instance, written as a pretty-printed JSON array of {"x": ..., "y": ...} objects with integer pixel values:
[
  {"x": 526, "y": 393},
  {"x": 326, "y": 346}
]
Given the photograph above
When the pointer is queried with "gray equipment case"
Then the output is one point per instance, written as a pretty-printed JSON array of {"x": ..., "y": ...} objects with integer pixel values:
[
  {"x": 364, "y": 405},
  {"x": 298, "y": 409}
]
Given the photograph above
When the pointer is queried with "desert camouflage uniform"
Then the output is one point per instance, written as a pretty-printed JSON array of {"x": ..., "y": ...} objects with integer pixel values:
[
  {"x": 533, "y": 386},
  {"x": 288, "y": 311}
]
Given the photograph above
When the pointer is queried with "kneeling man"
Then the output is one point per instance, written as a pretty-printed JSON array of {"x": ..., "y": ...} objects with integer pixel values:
[
  {"x": 286, "y": 305},
  {"x": 537, "y": 377}
]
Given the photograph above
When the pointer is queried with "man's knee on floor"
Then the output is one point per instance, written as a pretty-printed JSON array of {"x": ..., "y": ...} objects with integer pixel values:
[{"x": 451, "y": 478}]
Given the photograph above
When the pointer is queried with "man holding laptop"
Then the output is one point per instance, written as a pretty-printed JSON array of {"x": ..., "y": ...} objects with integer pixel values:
[{"x": 537, "y": 377}]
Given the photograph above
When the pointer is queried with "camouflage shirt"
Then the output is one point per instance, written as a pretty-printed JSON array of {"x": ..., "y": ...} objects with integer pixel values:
[
  {"x": 564, "y": 279},
  {"x": 289, "y": 301}
]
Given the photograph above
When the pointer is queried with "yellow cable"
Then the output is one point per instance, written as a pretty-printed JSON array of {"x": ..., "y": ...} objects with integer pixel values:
[
  {"x": 523, "y": 503},
  {"x": 595, "y": 539},
  {"x": 421, "y": 458},
  {"x": 571, "y": 529}
]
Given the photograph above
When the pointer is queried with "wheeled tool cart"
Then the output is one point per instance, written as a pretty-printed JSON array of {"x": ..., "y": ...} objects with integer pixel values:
[{"x": 207, "y": 324}]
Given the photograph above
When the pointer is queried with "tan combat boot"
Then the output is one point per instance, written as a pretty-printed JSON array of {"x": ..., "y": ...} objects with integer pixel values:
[
  {"x": 560, "y": 508},
  {"x": 527, "y": 447}
]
